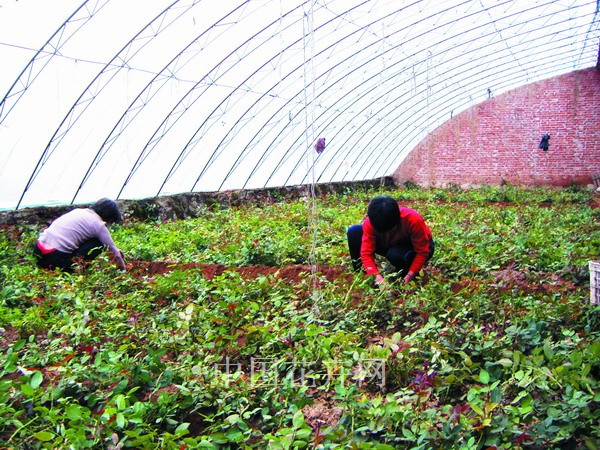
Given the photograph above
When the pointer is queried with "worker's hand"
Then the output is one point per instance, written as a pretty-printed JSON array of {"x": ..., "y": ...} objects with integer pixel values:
[
  {"x": 384, "y": 287},
  {"x": 382, "y": 283},
  {"x": 120, "y": 260},
  {"x": 409, "y": 277}
]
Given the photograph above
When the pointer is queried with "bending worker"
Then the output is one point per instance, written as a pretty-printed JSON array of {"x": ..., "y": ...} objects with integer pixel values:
[
  {"x": 397, "y": 233},
  {"x": 80, "y": 233}
]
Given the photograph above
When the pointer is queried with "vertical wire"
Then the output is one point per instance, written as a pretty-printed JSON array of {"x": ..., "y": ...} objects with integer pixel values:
[
  {"x": 309, "y": 104},
  {"x": 382, "y": 76},
  {"x": 430, "y": 150}
]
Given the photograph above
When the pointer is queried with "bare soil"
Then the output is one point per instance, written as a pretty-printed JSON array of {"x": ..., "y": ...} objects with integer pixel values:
[{"x": 292, "y": 273}]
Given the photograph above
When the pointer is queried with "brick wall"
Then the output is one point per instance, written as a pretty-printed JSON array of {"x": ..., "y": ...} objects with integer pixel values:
[{"x": 497, "y": 141}]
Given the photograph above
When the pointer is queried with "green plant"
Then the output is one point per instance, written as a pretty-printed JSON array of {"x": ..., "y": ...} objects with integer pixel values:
[{"x": 283, "y": 346}]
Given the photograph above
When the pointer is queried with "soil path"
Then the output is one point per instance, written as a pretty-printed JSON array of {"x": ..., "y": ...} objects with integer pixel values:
[{"x": 292, "y": 273}]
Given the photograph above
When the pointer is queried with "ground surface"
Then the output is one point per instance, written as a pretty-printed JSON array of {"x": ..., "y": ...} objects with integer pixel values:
[{"x": 291, "y": 273}]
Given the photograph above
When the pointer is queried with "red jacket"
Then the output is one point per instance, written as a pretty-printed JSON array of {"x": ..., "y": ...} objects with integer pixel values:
[{"x": 412, "y": 228}]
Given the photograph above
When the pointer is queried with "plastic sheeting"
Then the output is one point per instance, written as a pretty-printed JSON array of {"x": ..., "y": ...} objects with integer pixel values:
[{"x": 141, "y": 98}]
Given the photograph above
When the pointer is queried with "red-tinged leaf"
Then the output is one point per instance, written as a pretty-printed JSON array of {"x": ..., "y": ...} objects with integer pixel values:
[
  {"x": 135, "y": 317},
  {"x": 242, "y": 340},
  {"x": 66, "y": 359},
  {"x": 112, "y": 386},
  {"x": 478, "y": 425},
  {"x": 287, "y": 341},
  {"x": 89, "y": 349},
  {"x": 458, "y": 410},
  {"x": 318, "y": 439},
  {"x": 523, "y": 437}
]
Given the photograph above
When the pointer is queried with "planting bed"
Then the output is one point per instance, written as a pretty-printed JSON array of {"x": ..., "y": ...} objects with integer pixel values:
[
  {"x": 246, "y": 328},
  {"x": 291, "y": 274}
]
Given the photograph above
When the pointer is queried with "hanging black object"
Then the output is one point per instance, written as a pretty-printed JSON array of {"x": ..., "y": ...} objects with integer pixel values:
[{"x": 544, "y": 144}]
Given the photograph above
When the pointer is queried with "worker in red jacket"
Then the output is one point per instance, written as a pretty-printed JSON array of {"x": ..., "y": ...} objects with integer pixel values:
[{"x": 399, "y": 234}]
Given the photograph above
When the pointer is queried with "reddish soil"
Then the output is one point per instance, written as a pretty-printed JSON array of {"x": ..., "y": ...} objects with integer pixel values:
[
  {"x": 7, "y": 337},
  {"x": 292, "y": 273},
  {"x": 322, "y": 413}
]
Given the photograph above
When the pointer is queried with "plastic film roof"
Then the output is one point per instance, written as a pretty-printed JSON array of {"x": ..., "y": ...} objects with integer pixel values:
[{"x": 142, "y": 98}]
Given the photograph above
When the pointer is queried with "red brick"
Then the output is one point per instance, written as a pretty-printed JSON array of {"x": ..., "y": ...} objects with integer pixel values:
[{"x": 497, "y": 140}]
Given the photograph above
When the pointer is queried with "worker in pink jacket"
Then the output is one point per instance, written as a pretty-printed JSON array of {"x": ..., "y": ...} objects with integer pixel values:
[
  {"x": 399, "y": 234},
  {"x": 80, "y": 233}
]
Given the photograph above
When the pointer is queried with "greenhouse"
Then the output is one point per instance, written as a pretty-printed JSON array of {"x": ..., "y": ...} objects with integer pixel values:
[{"x": 286, "y": 224}]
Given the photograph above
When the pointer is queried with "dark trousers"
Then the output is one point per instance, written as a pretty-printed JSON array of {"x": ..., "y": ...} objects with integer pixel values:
[
  {"x": 400, "y": 256},
  {"x": 61, "y": 260}
]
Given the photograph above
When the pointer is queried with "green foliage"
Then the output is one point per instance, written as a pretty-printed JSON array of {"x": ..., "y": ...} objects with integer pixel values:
[{"x": 498, "y": 349}]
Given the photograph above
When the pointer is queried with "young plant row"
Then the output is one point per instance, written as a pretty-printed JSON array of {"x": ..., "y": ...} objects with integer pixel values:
[{"x": 498, "y": 348}]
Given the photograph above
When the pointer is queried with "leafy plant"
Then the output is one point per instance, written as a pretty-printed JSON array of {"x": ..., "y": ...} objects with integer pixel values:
[{"x": 247, "y": 328}]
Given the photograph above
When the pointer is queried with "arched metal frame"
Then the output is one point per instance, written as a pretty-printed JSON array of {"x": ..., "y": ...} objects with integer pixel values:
[{"x": 203, "y": 96}]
